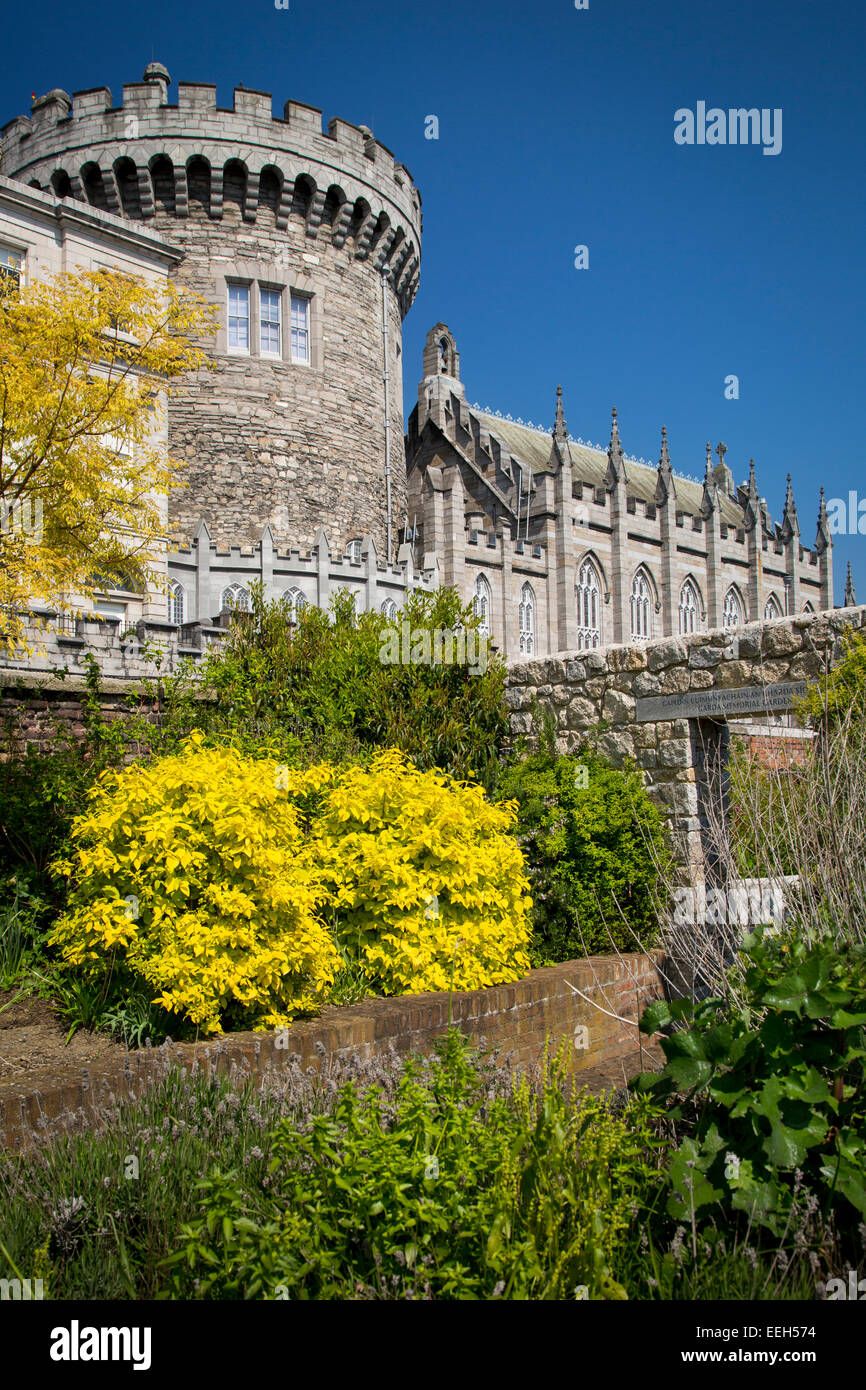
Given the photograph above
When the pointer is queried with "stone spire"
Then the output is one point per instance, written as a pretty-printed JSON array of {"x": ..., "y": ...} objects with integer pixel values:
[
  {"x": 560, "y": 453},
  {"x": 560, "y": 429},
  {"x": 710, "y": 498},
  {"x": 850, "y": 596},
  {"x": 822, "y": 540},
  {"x": 752, "y": 505},
  {"x": 615, "y": 464},
  {"x": 790, "y": 524},
  {"x": 665, "y": 484}
]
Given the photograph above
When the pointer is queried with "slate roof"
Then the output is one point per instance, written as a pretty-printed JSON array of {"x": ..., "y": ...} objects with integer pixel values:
[{"x": 532, "y": 448}]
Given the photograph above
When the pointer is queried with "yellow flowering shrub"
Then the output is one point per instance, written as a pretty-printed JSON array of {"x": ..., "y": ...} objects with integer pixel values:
[
  {"x": 426, "y": 884},
  {"x": 194, "y": 873}
]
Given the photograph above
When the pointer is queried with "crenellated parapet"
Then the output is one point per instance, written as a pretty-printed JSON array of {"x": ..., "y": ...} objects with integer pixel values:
[
  {"x": 147, "y": 156},
  {"x": 307, "y": 243}
]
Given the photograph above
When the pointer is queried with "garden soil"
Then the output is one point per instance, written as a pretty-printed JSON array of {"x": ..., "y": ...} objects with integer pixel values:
[{"x": 33, "y": 1037}]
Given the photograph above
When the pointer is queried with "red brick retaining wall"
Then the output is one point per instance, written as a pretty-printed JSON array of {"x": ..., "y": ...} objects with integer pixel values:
[{"x": 520, "y": 1018}]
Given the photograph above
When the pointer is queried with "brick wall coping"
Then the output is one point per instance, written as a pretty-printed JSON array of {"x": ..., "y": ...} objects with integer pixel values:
[{"x": 520, "y": 1018}]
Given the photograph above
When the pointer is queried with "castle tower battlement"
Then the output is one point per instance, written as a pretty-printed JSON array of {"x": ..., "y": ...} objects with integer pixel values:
[
  {"x": 308, "y": 243},
  {"x": 118, "y": 158}
]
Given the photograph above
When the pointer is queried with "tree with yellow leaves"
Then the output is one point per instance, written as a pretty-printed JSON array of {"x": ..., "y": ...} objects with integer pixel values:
[{"x": 87, "y": 361}]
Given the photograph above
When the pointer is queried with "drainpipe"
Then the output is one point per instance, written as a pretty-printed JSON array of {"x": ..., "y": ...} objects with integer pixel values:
[{"x": 386, "y": 377}]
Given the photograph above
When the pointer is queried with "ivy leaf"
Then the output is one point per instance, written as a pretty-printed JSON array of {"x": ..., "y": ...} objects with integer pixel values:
[{"x": 689, "y": 1072}]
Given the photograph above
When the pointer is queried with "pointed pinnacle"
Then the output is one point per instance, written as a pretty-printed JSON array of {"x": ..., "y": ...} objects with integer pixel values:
[
  {"x": 790, "y": 505},
  {"x": 560, "y": 429},
  {"x": 665, "y": 460}
]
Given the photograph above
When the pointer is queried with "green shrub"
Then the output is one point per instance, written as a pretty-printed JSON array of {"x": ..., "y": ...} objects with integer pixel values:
[
  {"x": 770, "y": 1092},
  {"x": 442, "y": 1191},
  {"x": 321, "y": 689},
  {"x": 831, "y": 698},
  {"x": 41, "y": 792},
  {"x": 596, "y": 850}
]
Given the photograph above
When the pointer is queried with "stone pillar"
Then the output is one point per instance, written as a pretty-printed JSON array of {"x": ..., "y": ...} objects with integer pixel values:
[
  {"x": 323, "y": 556},
  {"x": 203, "y": 601},
  {"x": 266, "y": 551},
  {"x": 371, "y": 589}
]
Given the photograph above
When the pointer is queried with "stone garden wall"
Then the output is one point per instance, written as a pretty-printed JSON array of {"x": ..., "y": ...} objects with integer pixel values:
[{"x": 616, "y": 694}]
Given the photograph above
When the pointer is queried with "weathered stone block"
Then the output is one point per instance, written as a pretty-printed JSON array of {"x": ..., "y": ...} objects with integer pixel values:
[
  {"x": 733, "y": 674},
  {"x": 617, "y": 707},
  {"x": 780, "y": 641},
  {"x": 703, "y": 658},
  {"x": 807, "y": 666},
  {"x": 702, "y": 680},
  {"x": 663, "y": 654},
  {"x": 627, "y": 658},
  {"x": 582, "y": 713},
  {"x": 675, "y": 681},
  {"x": 675, "y": 753},
  {"x": 616, "y": 746}
]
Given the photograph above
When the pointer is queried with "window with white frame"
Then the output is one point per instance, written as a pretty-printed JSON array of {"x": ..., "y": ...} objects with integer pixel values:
[
  {"x": 11, "y": 268},
  {"x": 270, "y": 323},
  {"x": 353, "y": 551},
  {"x": 481, "y": 605},
  {"x": 588, "y": 607},
  {"x": 641, "y": 608},
  {"x": 689, "y": 607},
  {"x": 235, "y": 596},
  {"x": 239, "y": 318},
  {"x": 293, "y": 601},
  {"x": 732, "y": 612},
  {"x": 526, "y": 620},
  {"x": 175, "y": 602},
  {"x": 772, "y": 608},
  {"x": 300, "y": 328},
  {"x": 389, "y": 610}
]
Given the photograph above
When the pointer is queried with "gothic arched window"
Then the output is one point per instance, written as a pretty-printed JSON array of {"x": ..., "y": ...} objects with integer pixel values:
[
  {"x": 641, "y": 608},
  {"x": 772, "y": 608},
  {"x": 526, "y": 620},
  {"x": 235, "y": 596},
  {"x": 481, "y": 604},
  {"x": 588, "y": 607},
  {"x": 293, "y": 601},
  {"x": 389, "y": 610},
  {"x": 689, "y": 608},
  {"x": 732, "y": 613},
  {"x": 175, "y": 602}
]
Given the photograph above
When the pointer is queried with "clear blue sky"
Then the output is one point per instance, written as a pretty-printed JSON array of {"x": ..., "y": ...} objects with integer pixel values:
[{"x": 556, "y": 129}]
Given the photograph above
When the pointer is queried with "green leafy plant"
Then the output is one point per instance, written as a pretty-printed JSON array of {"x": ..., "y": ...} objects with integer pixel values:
[
  {"x": 769, "y": 1092},
  {"x": 320, "y": 688},
  {"x": 442, "y": 1191},
  {"x": 596, "y": 851}
]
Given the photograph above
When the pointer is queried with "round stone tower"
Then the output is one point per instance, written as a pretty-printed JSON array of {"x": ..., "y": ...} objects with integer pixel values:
[{"x": 309, "y": 245}]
